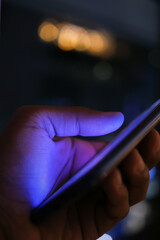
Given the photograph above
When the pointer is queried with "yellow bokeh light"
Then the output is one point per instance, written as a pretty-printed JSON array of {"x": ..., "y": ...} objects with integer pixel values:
[
  {"x": 72, "y": 37},
  {"x": 101, "y": 44},
  {"x": 83, "y": 40},
  {"x": 97, "y": 42},
  {"x": 48, "y": 32},
  {"x": 67, "y": 38}
]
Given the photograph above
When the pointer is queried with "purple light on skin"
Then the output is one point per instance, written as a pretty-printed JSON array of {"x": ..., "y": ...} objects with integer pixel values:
[
  {"x": 47, "y": 155},
  {"x": 64, "y": 160}
]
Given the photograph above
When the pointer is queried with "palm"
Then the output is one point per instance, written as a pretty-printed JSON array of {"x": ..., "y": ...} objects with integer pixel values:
[
  {"x": 45, "y": 164},
  {"x": 38, "y": 156},
  {"x": 46, "y": 176}
]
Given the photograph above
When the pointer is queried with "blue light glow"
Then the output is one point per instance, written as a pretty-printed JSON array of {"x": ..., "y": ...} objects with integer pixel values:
[
  {"x": 105, "y": 237},
  {"x": 152, "y": 173}
]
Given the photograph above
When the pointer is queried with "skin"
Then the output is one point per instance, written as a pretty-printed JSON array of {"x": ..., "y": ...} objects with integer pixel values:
[{"x": 39, "y": 153}]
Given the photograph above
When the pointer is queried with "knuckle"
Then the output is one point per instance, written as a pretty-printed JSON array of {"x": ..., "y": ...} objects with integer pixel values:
[
  {"x": 141, "y": 197},
  {"x": 156, "y": 140},
  {"x": 141, "y": 178},
  {"x": 124, "y": 196},
  {"x": 134, "y": 153},
  {"x": 154, "y": 160},
  {"x": 120, "y": 213},
  {"x": 126, "y": 211},
  {"x": 121, "y": 210},
  {"x": 144, "y": 177}
]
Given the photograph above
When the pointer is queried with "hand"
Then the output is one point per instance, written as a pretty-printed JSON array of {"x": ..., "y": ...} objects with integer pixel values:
[{"x": 38, "y": 155}]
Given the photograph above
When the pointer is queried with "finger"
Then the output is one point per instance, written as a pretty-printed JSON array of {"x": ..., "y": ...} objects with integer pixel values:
[
  {"x": 136, "y": 176},
  {"x": 116, "y": 204},
  {"x": 117, "y": 195},
  {"x": 72, "y": 121},
  {"x": 149, "y": 149},
  {"x": 103, "y": 207},
  {"x": 84, "y": 151},
  {"x": 72, "y": 154}
]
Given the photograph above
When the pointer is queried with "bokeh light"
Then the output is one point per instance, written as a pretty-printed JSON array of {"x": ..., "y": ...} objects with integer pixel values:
[
  {"x": 70, "y": 37},
  {"x": 67, "y": 39},
  {"x": 48, "y": 32},
  {"x": 138, "y": 218},
  {"x": 103, "y": 71},
  {"x": 83, "y": 40},
  {"x": 98, "y": 43},
  {"x": 102, "y": 44}
]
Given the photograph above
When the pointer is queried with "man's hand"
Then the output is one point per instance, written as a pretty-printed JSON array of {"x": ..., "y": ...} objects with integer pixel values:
[{"x": 39, "y": 153}]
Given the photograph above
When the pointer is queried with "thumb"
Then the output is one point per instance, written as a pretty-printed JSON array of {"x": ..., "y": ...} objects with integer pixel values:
[{"x": 72, "y": 121}]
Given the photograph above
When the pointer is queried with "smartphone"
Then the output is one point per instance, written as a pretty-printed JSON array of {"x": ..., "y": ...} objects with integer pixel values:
[{"x": 100, "y": 165}]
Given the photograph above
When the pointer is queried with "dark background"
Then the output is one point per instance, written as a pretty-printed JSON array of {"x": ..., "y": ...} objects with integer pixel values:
[{"x": 34, "y": 72}]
